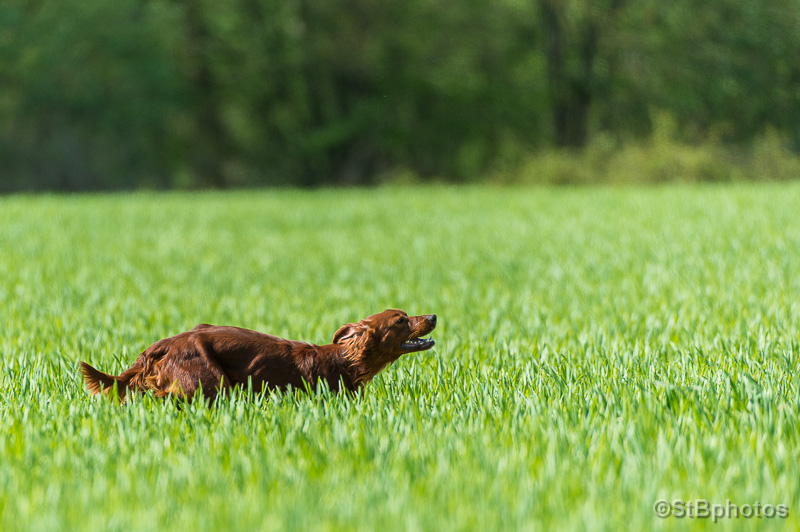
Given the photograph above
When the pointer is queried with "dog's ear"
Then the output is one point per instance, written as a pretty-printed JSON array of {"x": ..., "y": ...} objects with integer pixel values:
[{"x": 349, "y": 332}]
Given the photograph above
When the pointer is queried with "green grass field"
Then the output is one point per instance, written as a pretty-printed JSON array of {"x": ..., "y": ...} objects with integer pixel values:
[{"x": 598, "y": 349}]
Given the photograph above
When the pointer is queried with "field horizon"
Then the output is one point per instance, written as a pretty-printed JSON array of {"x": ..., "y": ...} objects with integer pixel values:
[{"x": 599, "y": 349}]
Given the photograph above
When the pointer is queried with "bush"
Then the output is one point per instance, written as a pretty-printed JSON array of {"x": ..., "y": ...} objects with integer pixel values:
[{"x": 660, "y": 158}]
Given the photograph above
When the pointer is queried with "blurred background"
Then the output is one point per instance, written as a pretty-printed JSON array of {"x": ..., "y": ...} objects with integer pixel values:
[{"x": 126, "y": 94}]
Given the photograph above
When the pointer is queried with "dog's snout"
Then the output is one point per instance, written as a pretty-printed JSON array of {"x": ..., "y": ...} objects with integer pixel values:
[{"x": 431, "y": 319}]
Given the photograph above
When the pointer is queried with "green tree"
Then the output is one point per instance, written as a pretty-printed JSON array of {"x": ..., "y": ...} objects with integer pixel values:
[{"x": 88, "y": 93}]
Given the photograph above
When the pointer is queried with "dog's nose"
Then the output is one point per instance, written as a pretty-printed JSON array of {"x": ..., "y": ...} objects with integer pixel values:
[{"x": 431, "y": 318}]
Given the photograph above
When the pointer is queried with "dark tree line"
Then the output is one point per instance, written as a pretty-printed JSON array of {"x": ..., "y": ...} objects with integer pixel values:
[{"x": 104, "y": 94}]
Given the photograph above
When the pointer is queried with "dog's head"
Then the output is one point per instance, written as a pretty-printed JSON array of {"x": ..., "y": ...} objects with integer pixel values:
[{"x": 380, "y": 339}]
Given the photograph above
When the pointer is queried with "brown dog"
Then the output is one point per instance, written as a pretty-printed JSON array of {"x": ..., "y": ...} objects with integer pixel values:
[{"x": 216, "y": 358}]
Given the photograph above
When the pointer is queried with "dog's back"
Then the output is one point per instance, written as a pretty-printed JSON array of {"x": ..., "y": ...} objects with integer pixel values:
[{"x": 216, "y": 357}]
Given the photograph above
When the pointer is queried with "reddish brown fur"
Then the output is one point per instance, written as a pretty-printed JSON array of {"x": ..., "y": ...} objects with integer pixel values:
[{"x": 219, "y": 357}]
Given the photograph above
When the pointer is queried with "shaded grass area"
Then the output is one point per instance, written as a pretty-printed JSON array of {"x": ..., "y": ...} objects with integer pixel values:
[{"x": 598, "y": 349}]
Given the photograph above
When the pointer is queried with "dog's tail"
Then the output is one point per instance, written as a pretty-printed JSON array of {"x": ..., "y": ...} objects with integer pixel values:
[{"x": 99, "y": 382}]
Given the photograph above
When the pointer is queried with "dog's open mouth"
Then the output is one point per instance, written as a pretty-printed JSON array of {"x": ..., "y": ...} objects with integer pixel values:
[{"x": 418, "y": 344}]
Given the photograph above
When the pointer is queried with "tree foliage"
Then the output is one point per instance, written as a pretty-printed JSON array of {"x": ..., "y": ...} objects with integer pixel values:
[{"x": 101, "y": 94}]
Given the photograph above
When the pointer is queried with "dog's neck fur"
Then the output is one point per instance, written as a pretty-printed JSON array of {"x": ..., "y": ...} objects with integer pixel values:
[{"x": 353, "y": 359}]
